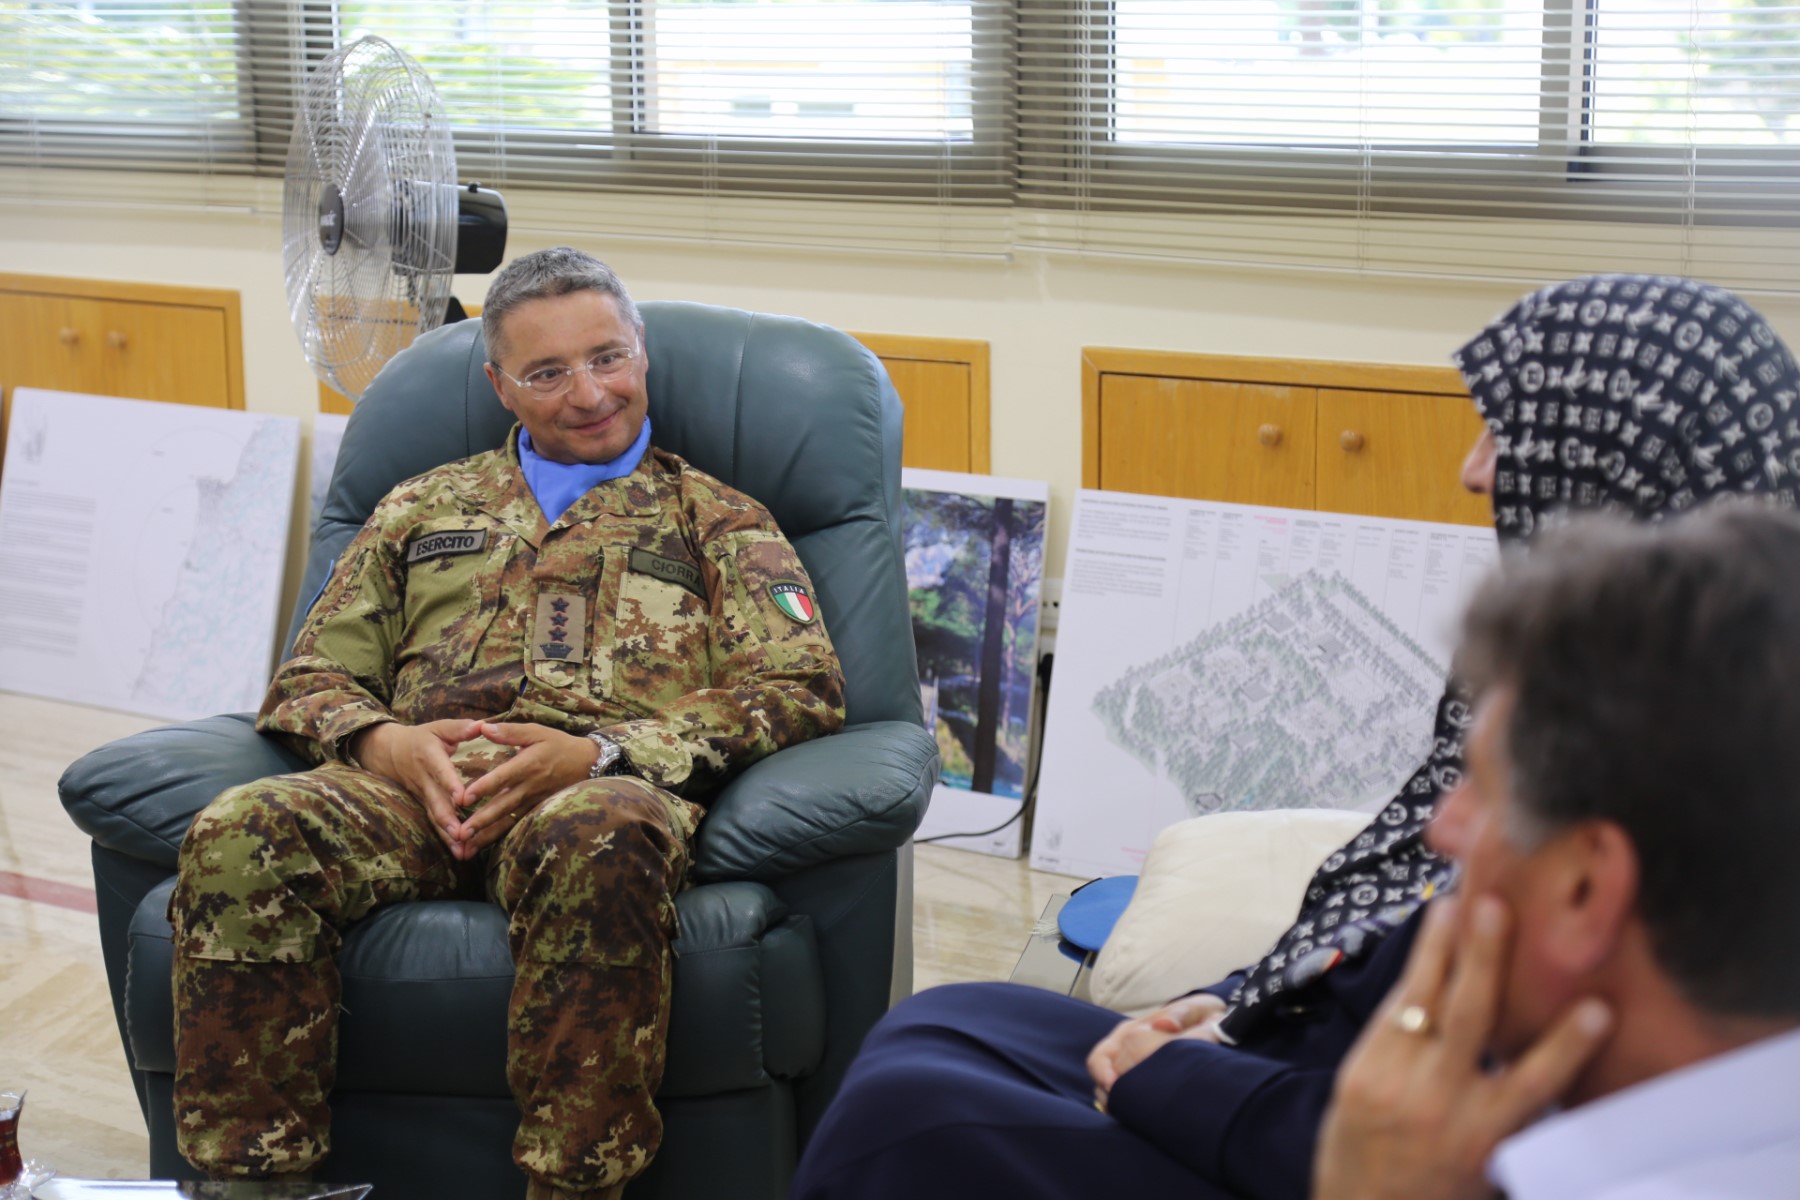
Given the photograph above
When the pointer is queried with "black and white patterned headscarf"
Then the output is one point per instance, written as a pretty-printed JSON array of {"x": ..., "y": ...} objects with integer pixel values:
[
  {"x": 1636, "y": 395},
  {"x": 1631, "y": 394}
]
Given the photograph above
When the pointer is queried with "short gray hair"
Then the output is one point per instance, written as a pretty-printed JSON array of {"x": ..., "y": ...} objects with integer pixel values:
[
  {"x": 553, "y": 272},
  {"x": 1656, "y": 674}
]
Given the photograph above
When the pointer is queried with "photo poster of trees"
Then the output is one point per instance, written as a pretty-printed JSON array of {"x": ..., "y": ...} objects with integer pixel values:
[{"x": 974, "y": 549}]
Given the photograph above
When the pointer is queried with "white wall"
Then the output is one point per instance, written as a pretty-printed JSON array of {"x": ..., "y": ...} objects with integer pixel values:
[{"x": 1036, "y": 311}]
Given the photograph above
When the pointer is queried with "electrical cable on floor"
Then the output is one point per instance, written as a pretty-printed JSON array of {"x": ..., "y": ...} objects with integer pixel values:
[{"x": 1030, "y": 802}]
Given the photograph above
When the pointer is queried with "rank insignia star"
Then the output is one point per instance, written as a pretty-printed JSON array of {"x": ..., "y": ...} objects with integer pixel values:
[{"x": 560, "y": 628}]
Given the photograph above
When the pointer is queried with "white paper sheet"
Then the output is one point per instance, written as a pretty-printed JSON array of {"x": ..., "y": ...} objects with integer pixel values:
[{"x": 141, "y": 552}]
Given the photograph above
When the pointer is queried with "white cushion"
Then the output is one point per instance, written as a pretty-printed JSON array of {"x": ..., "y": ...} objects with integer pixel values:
[{"x": 1214, "y": 894}]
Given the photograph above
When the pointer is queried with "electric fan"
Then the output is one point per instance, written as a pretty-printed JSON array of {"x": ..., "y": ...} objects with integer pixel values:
[{"x": 373, "y": 222}]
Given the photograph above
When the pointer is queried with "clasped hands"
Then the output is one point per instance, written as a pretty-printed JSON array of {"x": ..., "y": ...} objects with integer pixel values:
[
  {"x": 470, "y": 816},
  {"x": 1194, "y": 1017}
]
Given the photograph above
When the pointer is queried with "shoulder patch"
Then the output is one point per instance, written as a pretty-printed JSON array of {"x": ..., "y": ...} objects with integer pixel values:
[
  {"x": 794, "y": 600},
  {"x": 669, "y": 570},
  {"x": 444, "y": 543}
]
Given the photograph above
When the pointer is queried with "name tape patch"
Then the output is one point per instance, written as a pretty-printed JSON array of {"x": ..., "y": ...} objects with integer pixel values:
[
  {"x": 684, "y": 575},
  {"x": 441, "y": 545}
]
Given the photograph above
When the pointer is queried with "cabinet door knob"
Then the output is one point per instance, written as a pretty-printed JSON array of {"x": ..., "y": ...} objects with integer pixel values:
[
  {"x": 1350, "y": 440},
  {"x": 116, "y": 339},
  {"x": 67, "y": 336},
  {"x": 1269, "y": 435}
]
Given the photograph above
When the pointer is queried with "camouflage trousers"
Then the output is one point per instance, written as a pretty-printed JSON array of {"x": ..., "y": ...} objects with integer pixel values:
[{"x": 273, "y": 873}]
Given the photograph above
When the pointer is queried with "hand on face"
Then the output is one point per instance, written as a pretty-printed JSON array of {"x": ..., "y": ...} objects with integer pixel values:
[{"x": 1414, "y": 1115}]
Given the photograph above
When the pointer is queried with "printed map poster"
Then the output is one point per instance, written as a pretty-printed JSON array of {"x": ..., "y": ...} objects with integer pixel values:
[
  {"x": 141, "y": 552},
  {"x": 974, "y": 572},
  {"x": 1221, "y": 657},
  {"x": 327, "y": 437}
]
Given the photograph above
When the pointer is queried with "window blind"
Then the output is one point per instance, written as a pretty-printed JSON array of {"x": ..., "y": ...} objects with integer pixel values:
[
  {"x": 157, "y": 91},
  {"x": 879, "y": 124},
  {"x": 1488, "y": 138},
  {"x": 1525, "y": 139}
]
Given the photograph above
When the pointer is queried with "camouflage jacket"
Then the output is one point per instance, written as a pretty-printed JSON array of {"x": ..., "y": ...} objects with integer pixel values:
[{"x": 664, "y": 609}]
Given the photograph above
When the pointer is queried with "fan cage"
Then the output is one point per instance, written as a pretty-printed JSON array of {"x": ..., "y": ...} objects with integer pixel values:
[{"x": 371, "y": 131}]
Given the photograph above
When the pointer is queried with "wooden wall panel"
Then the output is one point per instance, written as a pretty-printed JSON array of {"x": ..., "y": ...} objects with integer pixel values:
[
  {"x": 1365, "y": 438},
  {"x": 938, "y": 413},
  {"x": 944, "y": 384},
  {"x": 1397, "y": 455},
  {"x": 142, "y": 341},
  {"x": 333, "y": 401},
  {"x": 165, "y": 352},
  {"x": 1250, "y": 443}
]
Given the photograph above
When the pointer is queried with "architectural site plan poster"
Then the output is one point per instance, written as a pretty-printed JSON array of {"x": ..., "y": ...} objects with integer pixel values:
[
  {"x": 974, "y": 574},
  {"x": 1223, "y": 658},
  {"x": 141, "y": 552}
]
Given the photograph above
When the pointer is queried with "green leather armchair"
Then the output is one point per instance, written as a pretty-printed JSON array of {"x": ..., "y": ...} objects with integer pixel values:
[{"x": 787, "y": 951}]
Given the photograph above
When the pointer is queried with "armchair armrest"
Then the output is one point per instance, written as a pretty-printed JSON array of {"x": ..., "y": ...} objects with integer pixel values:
[
  {"x": 138, "y": 795},
  {"x": 860, "y": 791}
]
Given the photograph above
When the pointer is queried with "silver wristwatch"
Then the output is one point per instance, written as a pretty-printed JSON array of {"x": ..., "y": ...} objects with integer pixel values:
[{"x": 612, "y": 760}]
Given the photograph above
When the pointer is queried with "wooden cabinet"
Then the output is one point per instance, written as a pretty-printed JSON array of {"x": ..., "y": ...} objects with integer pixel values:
[
  {"x": 1208, "y": 439},
  {"x": 944, "y": 384},
  {"x": 142, "y": 341},
  {"x": 1361, "y": 438}
]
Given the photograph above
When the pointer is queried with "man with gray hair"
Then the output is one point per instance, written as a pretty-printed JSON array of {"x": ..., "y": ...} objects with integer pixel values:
[
  {"x": 523, "y": 679},
  {"x": 1624, "y": 941}
]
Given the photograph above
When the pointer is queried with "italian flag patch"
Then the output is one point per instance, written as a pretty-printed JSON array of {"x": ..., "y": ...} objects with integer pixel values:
[{"x": 794, "y": 600}]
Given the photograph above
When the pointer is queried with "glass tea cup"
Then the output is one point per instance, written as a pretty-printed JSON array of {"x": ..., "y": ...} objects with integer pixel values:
[{"x": 11, "y": 1165}]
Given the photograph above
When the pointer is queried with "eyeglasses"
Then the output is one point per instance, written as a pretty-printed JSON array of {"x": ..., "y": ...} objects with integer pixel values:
[{"x": 554, "y": 381}]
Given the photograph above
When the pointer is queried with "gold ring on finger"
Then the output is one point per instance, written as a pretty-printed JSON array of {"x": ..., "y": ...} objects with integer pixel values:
[{"x": 1413, "y": 1019}]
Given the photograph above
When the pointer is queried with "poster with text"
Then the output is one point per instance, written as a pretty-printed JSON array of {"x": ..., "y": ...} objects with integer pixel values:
[
  {"x": 1224, "y": 658},
  {"x": 974, "y": 572},
  {"x": 141, "y": 552}
]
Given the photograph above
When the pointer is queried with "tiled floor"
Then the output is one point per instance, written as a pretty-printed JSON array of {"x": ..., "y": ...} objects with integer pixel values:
[{"x": 971, "y": 915}]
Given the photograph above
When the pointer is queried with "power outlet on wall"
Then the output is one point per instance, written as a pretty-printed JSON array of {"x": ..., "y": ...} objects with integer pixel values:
[{"x": 1050, "y": 607}]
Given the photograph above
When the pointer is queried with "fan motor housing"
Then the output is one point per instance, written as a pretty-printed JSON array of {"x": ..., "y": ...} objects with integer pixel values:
[
  {"x": 331, "y": 218},
  {"x": 480, "y": 230}
]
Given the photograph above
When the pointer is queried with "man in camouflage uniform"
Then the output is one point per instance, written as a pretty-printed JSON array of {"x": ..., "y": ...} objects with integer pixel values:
[{"x": 522, "y": 676}]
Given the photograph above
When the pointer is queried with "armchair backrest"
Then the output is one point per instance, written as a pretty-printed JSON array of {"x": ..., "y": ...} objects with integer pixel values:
[{"x": 797, "y": 415}]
